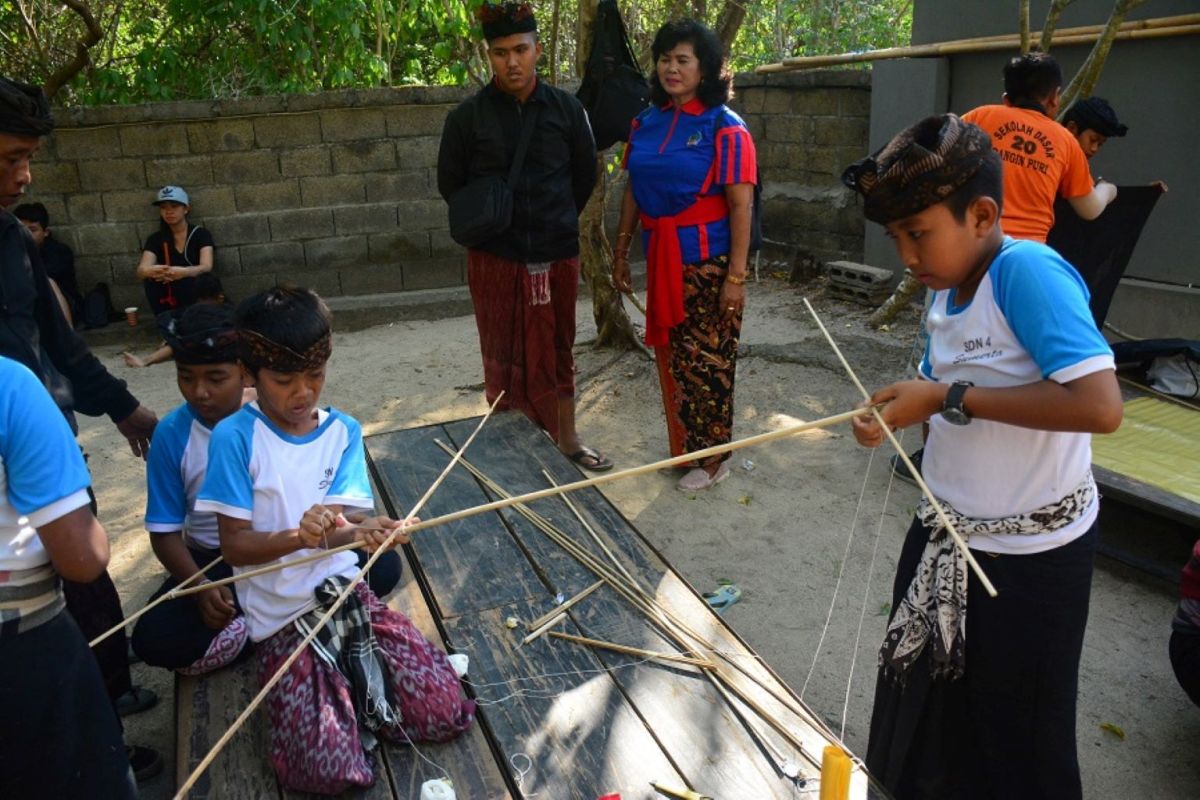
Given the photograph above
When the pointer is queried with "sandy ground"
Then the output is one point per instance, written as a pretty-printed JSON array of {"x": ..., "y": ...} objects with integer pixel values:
[{"x": 783, "y": 526}]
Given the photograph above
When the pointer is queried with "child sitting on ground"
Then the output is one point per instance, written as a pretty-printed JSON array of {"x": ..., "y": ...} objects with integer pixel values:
[
  {"x": 205, "y": 631},
  {"x": 208, "y": 291},
  {"x": 282, "y": 472},
  {"x": 1014, "y": 378}
]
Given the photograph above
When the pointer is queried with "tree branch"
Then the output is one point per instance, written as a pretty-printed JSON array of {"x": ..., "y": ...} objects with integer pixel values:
[
  {"x": 1086, "y": 78},
  {"x": 75, "y": 65},
  {"x": 1024, "y": 22},
  {"x": 1056, "y": 9}
]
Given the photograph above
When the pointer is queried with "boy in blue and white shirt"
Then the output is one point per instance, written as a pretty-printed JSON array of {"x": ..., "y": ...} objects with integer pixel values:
[
  {"x": 59, "y": 735},
  {"x": 205, "y": 631},
  {"x": 283, "y": 477},
  {"x": 1014, "y": 380}
]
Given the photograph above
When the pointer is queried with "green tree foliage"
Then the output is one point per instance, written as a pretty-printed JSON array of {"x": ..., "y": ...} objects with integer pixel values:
[{"x": 179, "y": 49}]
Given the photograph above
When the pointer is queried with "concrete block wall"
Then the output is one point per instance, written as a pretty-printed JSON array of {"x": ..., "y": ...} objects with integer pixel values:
[
  {"x": 337, "y": 191},
  {"x": 807, "y": 127}
]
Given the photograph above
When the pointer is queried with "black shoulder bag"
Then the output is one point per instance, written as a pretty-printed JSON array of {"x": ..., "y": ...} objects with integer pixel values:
[
  {"x": 482, "y": 210},
  {"x": 613, "y": 89}
]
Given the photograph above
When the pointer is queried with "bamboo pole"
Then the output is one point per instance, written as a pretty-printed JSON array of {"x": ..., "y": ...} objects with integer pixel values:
[
  {"x": 323, "y": 620},
  {"x": 916, "y": 473},
  {"x": 540, "y": 621},
  {"x": 496, "y": 505},
  {"x": 152, "y": 604},
  {"x": 1008, "y": 42},
  {"x": 634, "y": 651}
]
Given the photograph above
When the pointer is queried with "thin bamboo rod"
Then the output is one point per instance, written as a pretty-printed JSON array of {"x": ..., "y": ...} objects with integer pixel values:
[
  {"x": 962, "y": 47},
  {"x": 916, "y": 473},
  {"x": 1035, "y": 37},
  {"x": 160, "y": 599},
  {"x": 608, "y": 477},
  {"x": 322, "y": 621},
  {"x": 537, "y": 623},
  {"x": 587, "y": 526},
  {"x": 634, "y": 651},
  {"x": 668, "y": 623}
]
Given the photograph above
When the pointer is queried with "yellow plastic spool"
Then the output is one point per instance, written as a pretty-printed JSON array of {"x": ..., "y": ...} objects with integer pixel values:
[{"x": 835, "y": 774}]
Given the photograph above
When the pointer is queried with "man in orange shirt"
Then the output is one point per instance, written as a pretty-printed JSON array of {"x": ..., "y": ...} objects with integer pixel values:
[{"x": 1042, "y": 160}]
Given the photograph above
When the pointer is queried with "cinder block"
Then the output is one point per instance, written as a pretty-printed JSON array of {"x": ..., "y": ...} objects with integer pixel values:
[
  {"x": 188, "y": 172},
  {"x": 332, "y": 190},
  {"x": 815, "y": 102},
  {"x": 442, "y": 246},
  {"x": 94, "y": 143},
  {"x": 221, "y": 136},
  {"x": 776, "y": 101},
  {"x": 372, "y": 279},
  {"x": 227, "y": 261},
  {"x": 325, "y": 282},
  {"x": 397, "y": 246},
  {"x": 788, "y": 129},
  {"x": 126, "y": 296},
  {"x": 397, "y": 186},
  {"x": 364, "y": 156},
  {"x": 412, "y": 120},
  {"x": 90, "y": 270},
  {"x": 421, "y": 214},
  {"x": 840, "y": 131},
  {"x": 273, "y": 257},
  {"x": 106, "y": 174},
  {"x": 339, "y": 251},
  {"x": 212, "y": 201},
  {"x": 433, "y": 274},
  {"x": 855, "y": 102},
  {"x": 129, "y": 206},
  {"x": 849, "y": 273},
  {"x": 55, "y": 177},
  {"x": 304, "y": 223},
  {"x": 374, "y": 218},
  {"x": 304, "y": 161},
  {"x": 256, "y": 166},
  {"x": 348, "y": 124},
  {"x": 154, "y": 139},
  {"x": 287, "y": 130},
  {"x": 108, "y": 239},
  {"x": 419, "y": 152},
  {"x": 860, "y": 295},
  {"x": 123, "y": 269},
  {"x": 751, "y": 101},
  {"x": 83, "y": 208},
  {"x": 267, "y": 196},
  {"x": 239, "y": 229}
]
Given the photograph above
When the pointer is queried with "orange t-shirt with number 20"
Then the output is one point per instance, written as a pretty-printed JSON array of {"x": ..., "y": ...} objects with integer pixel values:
[{"x": 1042, "y": 161}]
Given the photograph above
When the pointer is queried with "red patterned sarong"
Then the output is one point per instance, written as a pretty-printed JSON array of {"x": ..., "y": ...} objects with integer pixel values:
[
  {"x": 315, "y": 744},
  {"x": 526, "y": 332}
]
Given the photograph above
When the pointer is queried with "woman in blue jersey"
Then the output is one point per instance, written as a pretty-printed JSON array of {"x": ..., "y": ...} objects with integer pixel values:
[{"x": 692, "y": 170}]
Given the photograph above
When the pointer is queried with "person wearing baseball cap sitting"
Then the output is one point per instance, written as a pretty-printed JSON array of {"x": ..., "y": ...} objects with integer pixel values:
[{"x": 174, "y": 254}]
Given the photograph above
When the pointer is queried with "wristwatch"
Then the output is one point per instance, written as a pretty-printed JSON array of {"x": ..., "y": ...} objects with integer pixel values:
[{"x": 952, "y": 407}]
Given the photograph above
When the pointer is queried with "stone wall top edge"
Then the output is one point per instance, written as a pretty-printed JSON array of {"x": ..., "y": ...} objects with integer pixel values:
[{"x": 811, "y": 78}]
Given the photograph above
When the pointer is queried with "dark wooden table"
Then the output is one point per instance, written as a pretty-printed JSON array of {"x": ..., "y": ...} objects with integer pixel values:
[{"x": 557, "y": 720}]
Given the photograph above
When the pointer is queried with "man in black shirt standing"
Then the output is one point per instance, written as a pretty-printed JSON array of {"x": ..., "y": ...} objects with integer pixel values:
[
  {"x": 524, "y": 281},
  {"x": 34, "y": 332}
]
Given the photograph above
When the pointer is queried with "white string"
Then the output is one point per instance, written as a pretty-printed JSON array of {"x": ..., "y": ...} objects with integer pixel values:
[
  {"x": 422, "y": 756},
  {"x": 841, "y": 571},
  {"x": 521, "y": 773},
  {"x": 867, "y": 594}
]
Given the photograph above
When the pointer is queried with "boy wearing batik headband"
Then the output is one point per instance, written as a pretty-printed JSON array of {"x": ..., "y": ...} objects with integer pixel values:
[
  {"x": 204, "y": 631},
  {"x": 283, "y": 476},
  {"x": 1014, "y": 379}
]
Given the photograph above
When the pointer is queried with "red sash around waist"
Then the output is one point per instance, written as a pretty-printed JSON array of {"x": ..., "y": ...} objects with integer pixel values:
[{"x": 664, "y": 264}]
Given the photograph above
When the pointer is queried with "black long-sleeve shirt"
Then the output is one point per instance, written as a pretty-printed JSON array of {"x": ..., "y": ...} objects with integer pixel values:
[
  {"x": 34, "y": 332},
  {"x": 480, "y": 140}
]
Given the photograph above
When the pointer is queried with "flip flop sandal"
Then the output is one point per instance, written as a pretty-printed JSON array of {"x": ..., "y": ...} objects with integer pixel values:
[
  {"x": 591, "y": 459},
  {"x": 723, "y": 597}
]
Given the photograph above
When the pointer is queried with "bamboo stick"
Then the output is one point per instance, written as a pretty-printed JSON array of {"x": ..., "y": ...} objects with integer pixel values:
[
  {"x": 634, "y": 651},
  {"x": 323, "y": 620},
  {"x": 958, "y": 47},
  {"x": 608, "y": 477},
  {"x": 1082, "y": 30},
  {"x": 153, "y": 603},
  {"x": 916, "y": 473},
  {"x": 591, "y": 531},
  {"x": 537, "y": 623}
]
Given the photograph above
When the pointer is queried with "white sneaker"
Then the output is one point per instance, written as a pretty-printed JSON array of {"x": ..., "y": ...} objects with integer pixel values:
[{"x": 698, "y": 479}]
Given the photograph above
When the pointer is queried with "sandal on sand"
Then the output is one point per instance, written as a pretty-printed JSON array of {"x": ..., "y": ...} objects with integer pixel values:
[
  {"x": 698, "y": 479},
  {"x": 723, "y": 598},
  {"x": 591, "y": 459}
]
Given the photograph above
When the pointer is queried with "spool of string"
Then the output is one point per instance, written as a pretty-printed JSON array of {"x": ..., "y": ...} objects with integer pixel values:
[{"x": 437, "y": 789}]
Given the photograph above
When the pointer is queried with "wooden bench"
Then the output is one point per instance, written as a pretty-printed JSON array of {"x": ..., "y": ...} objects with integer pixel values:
[{"x": 557, "y": 720}]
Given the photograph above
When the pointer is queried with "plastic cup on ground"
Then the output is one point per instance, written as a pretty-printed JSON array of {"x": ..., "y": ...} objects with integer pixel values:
[{"x": 131, "y": 316}]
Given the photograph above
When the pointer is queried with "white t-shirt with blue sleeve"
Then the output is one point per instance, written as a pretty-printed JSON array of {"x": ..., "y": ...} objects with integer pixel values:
[
  {"x": 175, "y": 472},
  {"x": 1028, "y": 321},
  {"x": 42, "y": 474},
  {"x": 259, "y": 473}
]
